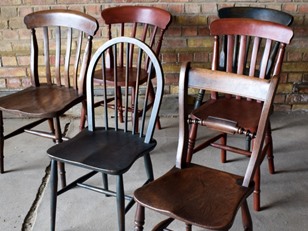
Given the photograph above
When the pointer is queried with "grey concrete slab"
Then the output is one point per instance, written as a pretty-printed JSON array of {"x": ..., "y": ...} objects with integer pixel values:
[{"x": 284, "y": 194}]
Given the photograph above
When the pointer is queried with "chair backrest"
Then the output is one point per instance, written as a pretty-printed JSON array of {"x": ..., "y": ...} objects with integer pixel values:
[
  {"x": 148, "y": 24},
  {"x": 263, "y": 35},
  {"x": 227, "y": 83},
  {"x": 57, "y": 44},
  {"x": 258, "y": 13},
  {"x": 146, "y": 124},
  {"x": 264, "y": 14}
]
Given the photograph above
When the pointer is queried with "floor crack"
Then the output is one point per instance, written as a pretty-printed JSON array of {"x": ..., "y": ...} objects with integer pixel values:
[{"x": 31, "y": 215}]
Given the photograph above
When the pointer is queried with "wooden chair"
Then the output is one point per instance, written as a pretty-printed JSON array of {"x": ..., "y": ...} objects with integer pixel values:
[
  {"x": 245, "y": 111},
  {"x": 148, "y": 24},
  {"x": 196, "y": 194},
  {"x": 57, "y": 78},
  {"x": 113, "y": 147},
  {"x": 259, "y": 13}
]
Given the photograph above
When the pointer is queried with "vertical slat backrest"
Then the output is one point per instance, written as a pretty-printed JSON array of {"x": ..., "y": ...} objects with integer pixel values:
[
  {"x": 146, "y": 128},
  {"x": 262, "y": 35},
  {"x": 219, "y": 81},
  {"x": 62, "y": 33},
  {"x": 259, "y": 13},
  {"x": 147, "y": 24}
]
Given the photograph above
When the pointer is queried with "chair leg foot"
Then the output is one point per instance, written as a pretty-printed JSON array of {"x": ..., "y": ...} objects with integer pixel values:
[{"x": 246, "y": 217}]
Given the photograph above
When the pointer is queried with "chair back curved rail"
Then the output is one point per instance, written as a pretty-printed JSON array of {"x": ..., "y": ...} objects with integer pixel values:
[{"x": 107, "y": 146}]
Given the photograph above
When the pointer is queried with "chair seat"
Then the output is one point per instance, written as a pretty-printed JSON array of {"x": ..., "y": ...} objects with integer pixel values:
[
  {"x": 121, "y": 71},
  {"x": 245, "y": 113},
  {"x": 46, "y": 101},
  {"x": 107, "y": 151},
  {"x": 209, "y": 198}
]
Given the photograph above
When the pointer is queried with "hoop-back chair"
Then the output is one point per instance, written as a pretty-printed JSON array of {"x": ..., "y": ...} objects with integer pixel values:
[
  {"x": 147, "y": 24},
  {"x": 61, "y": 43},
  {"x": 107, "y": 146},
  {"x": 243, "y": 110},
  {"x": 196, "y": 194}
]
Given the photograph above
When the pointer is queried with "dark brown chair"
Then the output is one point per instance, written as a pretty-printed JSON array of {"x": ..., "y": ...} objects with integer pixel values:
[
  {"x": 259, "y": 13},
  {"x": 58, "y": 64},
  {"x": 196, "y": 194},
  {"x": 147, "y": 24},
  {"x": 246, "y": 112},
  {"x": 113, "y": 147}
]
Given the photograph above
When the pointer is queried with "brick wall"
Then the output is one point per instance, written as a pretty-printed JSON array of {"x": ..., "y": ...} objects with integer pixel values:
[{"x": 186, "y": 40}]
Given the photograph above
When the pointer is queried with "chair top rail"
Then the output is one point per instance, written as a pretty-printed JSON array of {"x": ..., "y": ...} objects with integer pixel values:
[
  {"x": 259, "y": 13},
  {"x": 62, "y": 17},
  {"x": 141, "y": 14},
  {"x": 252, "y": 27}
]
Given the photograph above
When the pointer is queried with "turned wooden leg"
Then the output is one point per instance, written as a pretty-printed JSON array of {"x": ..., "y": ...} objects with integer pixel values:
[
  {"x": 257, "y": 191},
  {"x": 191, "y": 142},
  {"x": 223, "y": 153},
  {"x": 270, "y": 155},
  {"x": 139, "y": 218},
  {"x": 58, "y": 135}
]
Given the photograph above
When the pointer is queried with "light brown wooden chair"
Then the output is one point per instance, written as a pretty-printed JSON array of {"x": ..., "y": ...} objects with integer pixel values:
[
  {"x": 245, "y": 111},
  {"x": 200, "y": 195},
  {"x": 107, "y": 146},
  {"x": 147, "y": 24},
  {"x": 61, "y": 43}
]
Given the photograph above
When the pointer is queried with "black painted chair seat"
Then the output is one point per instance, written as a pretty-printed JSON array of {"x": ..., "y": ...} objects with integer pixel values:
[{"x": 108, "y": 151}]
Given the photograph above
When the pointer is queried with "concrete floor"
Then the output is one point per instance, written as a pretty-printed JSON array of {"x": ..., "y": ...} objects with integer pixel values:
[{"x": 25, "y": 193}]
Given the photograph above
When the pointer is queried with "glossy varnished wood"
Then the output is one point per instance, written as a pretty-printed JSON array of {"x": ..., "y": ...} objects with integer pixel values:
[
  {"x": 107, "y": 146},
  {"x": 196, "y": 194},
  {"x": 247, "y": 44},
  {"x": 61, "y": 43}
]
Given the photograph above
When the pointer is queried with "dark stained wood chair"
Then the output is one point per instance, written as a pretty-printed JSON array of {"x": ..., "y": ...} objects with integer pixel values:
[
  {"x": 147, "y": 24},
  {"x": 258, "y": 13},
  {"x": 247, "y": 112},
  {"x": 107, "y": 146},
  {"x": 61, "y": 43},
  {"x": 200, "y": 195}
]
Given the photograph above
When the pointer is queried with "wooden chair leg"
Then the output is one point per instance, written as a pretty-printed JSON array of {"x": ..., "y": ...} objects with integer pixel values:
[
  {"x": 139, "y": 218},
  {"x": 53, "y": 194},
  {"x": 119, "y": 103},
  {"x": 83, "y": 115},
  {"x": 163, "y": 225},
  {"x": 270, "y": 155},
  {"x": 1, "y": 144},
  {"x": 188, "y": 227},
  {"x": 120, "y": 203},
  {"x": 58, "y": 135},
  {"x": 105, "y": 182},
  {"x": 246, "y": 217},
  {"x": 223, "y": 153},
  {"x": 199, "y": 99},
  {"x": 256, "y": 192},
  {"x": 191, "y": 142},
  {"x": 151, "y": 98}
]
